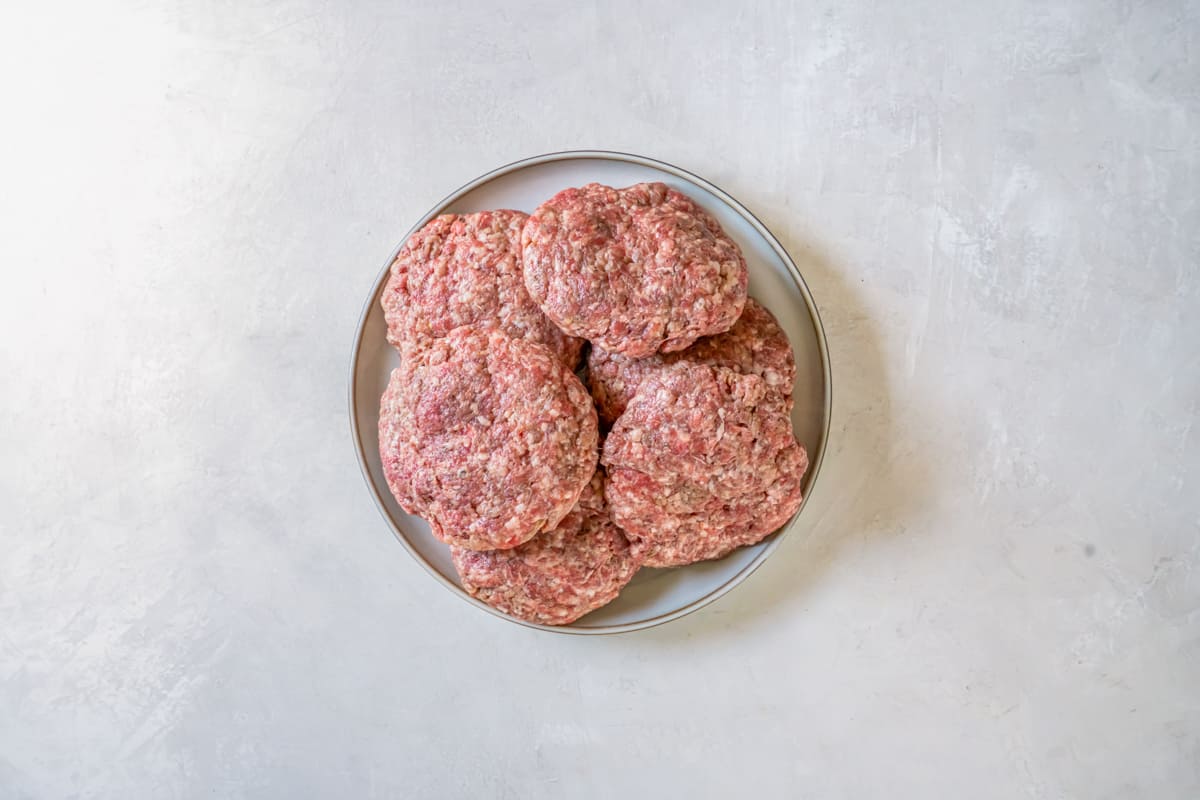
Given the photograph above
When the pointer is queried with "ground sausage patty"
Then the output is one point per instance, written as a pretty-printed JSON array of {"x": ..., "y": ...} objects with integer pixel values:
[
  {"x": 465, "y": 269},
  {"x": 489, "y": 438},
  {"x": 755, "y": 345},
  {"x": 702, "y": 461},
  {"x": 634, "y": 270},
  {"x": 560, "y": 574}
]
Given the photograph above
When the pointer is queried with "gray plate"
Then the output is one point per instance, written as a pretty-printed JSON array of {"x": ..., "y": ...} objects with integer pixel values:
[{"x": 654, "y": 596}]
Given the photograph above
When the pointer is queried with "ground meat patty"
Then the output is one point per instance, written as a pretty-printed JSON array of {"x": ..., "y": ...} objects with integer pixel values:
[
  {"x": 559, "y": 575},
  {"x": 489, "y": 438},
  {"x": 702, "y": 461},
  {"x": 755, "y": 345},
  {"x": 465, "y": 269},
  {"x": 634, "y": 270}
]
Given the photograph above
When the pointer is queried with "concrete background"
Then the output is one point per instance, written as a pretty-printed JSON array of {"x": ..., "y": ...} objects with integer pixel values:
[{"x": 994, "y": 592}]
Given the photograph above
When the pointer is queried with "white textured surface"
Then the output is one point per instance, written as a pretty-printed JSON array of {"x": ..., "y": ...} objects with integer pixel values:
[{"x": 995, "y": 590}]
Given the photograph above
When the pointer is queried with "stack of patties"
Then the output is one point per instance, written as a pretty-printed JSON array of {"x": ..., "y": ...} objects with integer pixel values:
[{"x": 487, "y": 433}]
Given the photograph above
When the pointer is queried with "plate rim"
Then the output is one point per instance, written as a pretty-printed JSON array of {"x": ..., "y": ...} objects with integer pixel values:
[{"x": 815, "y": 461}]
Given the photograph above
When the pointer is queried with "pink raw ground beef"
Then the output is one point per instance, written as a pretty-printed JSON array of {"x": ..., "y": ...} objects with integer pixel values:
[
  {"x": 702, "y": 461},
  {"x": 560, "y": 574},
  {"x": 755, "y": 345},
  {"x": 465, "y": 269},
  {"x": 634, "y": 270},
  {"x": 489, "y": 438}
]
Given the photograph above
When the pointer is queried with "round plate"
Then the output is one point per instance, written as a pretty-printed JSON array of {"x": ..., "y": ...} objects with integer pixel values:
[{"x": 654, "y": 596}]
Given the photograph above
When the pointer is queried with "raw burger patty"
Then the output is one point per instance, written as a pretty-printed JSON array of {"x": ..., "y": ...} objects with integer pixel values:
[
  {"x": 634, "y": 270},
  {"x": 755, "y": 345},
  {"x": 702, "y": 461},
  {"x": 465, "y": 269},
  {"x": 559, "y": 575},
  {"x": 489, "y": 438}
]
